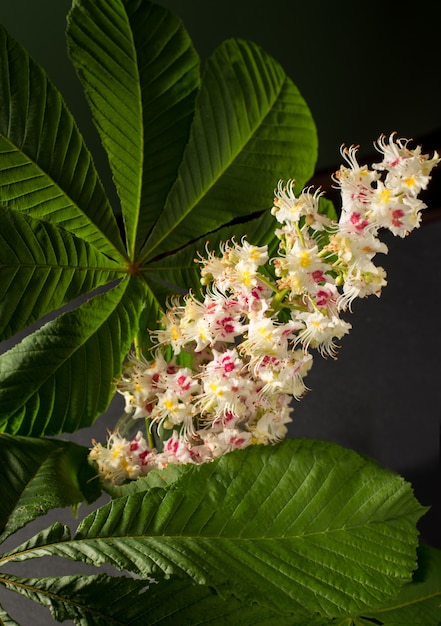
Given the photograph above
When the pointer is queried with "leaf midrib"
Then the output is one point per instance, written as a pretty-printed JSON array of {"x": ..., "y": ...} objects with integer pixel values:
[
  {"x": 63, "y": 267},
  {"x": 130, "y": 218},
  {"x": 63, "y": 194},
  {"x": 132, "y": 241},
  {"x": 85, "y": 339},
  {"x": 31, "y": 477},
  {"x": 13, "y": 557},
  {"x": 213, "y": 182},
  {"x": 403, "y": 605},
  {"x": 14, "y": 581}
]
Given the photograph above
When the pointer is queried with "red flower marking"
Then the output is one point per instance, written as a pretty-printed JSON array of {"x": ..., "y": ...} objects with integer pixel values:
[
  {"x": 356, "y": 220},
  {"x": 397, "y": 214},
  {"x": 318, "y": 276},
  {"x": 184, "y": 383}
]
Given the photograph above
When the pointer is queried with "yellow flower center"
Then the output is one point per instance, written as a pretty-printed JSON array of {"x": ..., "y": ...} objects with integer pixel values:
[
  {"x": 215, "y": 389},
  {"x": 265, "y": 333},
  {"x": 304, "y": 259},
  {"x": 254, "y": 253},
  {"x": 385, "y": 196},
  {"x": 170, "y": 405},
  {"x": 245, "y": 278},
  {"x": 116, "y": 451}
]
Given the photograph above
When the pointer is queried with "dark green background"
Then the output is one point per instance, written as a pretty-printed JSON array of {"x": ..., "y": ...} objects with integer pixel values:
[{"x": 364, "y": 68}]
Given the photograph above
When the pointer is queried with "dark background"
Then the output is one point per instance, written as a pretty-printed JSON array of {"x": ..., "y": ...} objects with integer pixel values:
[{"x": 363, "y": 71}]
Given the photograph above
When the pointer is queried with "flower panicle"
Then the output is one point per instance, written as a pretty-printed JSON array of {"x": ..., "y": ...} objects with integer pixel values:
[{"x": 241, "y": 352}]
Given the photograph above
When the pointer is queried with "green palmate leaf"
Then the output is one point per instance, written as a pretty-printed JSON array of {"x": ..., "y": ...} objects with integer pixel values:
[
  {"x": 418, "y": 602},
  {"x": 140, "y": 74},
  {"x": 45, "y": 168},
  {"x": 61, "y": 377},
  {"x": 41, "y": 268},
  {"x": 29, "y": 466},
  {"x": 251, "y": 127},
  {"x": 141, "y": 77},
  {"x": 302, "y": 528}
]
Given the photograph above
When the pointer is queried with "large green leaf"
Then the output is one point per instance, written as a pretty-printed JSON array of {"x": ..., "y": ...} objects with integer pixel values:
[
  {"x": 45, "y": 169},
  {"x": 43, "y": 267},
  {"x": 251, "y": 127},
  {"x": 28, "y": 467},
  {"x": 61, "y": 377},
  {"x": 140, "y": 74},
  {"x": 105, "y": 601},
  {"x": 302, "y": 528}
]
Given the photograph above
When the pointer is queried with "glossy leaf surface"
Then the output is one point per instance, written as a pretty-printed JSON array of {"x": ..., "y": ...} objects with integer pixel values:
[
  {"x": 43, "y": 267},
  {"x": 46, "y": 170},
  {"x": 141, "y": 75},
  {"x": 331, "y": 532},
  {"x": 29, "y": 466},
  {"x": 250, "y": 122},
  {"x": 62, "y": 376}
]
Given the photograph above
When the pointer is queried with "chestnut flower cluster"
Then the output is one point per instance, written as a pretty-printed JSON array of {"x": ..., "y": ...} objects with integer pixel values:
[{"x": 237, "y": 356}]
